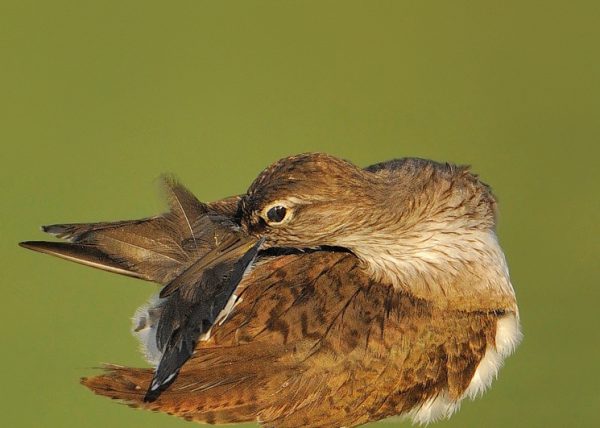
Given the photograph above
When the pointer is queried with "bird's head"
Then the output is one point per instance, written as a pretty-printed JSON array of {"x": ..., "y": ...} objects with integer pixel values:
[
  {"x": 306, "y": 201},
  {"x": 407, "y": 211}
]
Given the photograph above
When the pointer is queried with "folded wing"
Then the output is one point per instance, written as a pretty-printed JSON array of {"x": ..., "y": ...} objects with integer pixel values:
[
  {"x": 315, "y": 343},
  {"x": 155, "y": 249}
]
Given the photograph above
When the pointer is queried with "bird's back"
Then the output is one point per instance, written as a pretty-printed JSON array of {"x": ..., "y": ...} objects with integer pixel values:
[{"x": 314, "y": 342}]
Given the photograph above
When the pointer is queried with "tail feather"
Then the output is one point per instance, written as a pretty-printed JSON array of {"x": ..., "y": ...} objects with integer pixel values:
[
  {"x": 219, "y": 401},
  {"x": 122, "y": 383}
]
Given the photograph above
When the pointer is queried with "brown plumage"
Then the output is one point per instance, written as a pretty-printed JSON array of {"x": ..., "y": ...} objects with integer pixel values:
[{"x": 377, "y": 292}]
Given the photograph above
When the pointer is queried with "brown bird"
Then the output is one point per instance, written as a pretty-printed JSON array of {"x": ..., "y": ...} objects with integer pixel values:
[{"x": 326, "y": 296}]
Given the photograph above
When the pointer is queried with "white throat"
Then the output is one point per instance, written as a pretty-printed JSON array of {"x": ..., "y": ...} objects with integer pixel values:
[{"x": 439, "y": 260}]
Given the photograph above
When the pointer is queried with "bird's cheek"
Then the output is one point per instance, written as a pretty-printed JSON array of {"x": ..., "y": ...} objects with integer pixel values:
[
  {"x": 280, "y": 240},
  {"x": 336, "y": 239},
  {"x": 255, "y": 226},
  {"x": 276, "y": 238}
]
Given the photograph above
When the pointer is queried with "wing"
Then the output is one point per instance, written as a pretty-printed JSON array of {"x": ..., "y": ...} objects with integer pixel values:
[
  {"x": 192, "y": 306},
  {"x": 155, "y": 249},
  {"x": 314, "y": 342},
  {"x": 190, "y": 248}
]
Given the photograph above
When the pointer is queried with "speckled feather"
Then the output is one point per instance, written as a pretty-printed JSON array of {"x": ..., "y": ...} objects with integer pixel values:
[{"x": 314, "y": 342}]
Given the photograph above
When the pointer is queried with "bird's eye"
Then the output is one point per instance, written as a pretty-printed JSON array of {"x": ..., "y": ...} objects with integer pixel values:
[{"x": 276, "y": 214}]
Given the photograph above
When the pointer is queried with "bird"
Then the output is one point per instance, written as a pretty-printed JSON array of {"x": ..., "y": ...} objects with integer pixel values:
[{"x": 327, "y": 295}]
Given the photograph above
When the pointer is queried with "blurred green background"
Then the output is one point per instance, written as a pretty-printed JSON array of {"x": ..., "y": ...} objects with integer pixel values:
[{"x": 99, "y": 98}]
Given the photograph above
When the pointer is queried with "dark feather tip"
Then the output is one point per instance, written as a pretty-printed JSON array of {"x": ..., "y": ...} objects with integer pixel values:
[
  {"x": 54, "y": 229},
  {"x": 151, "y": 396},
  {"x": 43, "y": 246},
  {"x": 30, "y": 245},
  {"x": 156, "y": 388}
]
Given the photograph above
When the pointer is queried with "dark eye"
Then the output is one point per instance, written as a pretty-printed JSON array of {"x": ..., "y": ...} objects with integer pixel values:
[{"x": 276, "y": 214}]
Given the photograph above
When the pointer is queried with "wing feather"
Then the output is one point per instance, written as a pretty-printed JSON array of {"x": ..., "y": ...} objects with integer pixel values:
[{"x": 155, "y": 249}]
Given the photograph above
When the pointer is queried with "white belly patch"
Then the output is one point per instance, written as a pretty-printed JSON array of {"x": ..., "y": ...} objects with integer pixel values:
[
  {"x": 508, "y": 336},
  {"x": 145, "y": 322}
]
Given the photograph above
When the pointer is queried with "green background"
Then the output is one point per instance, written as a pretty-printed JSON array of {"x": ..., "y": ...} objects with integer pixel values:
[{"x": 97, "y": 99}]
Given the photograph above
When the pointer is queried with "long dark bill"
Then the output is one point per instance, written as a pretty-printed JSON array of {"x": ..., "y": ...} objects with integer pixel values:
[{"x": 195, "y": 300}]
